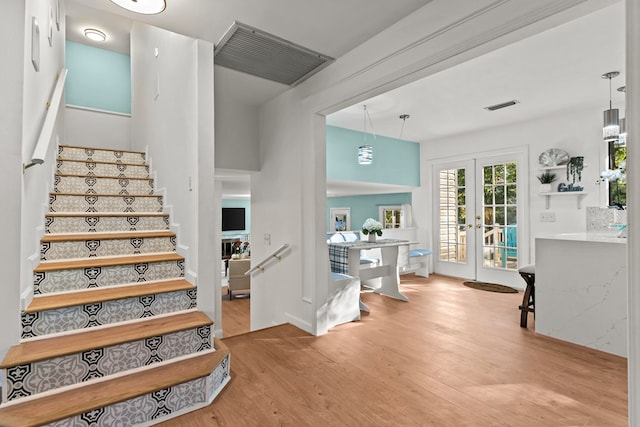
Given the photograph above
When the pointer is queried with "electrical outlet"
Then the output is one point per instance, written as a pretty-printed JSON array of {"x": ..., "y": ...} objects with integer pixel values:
[{"x": 547, "y": 217}]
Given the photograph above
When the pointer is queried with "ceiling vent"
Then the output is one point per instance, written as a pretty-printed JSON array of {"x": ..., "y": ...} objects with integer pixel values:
[
  {"x": 247, "y": 49},
  {"x": 502, "y": 105}
]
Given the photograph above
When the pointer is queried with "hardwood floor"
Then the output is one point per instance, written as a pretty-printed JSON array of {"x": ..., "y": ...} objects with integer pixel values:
[
  {"x": 451, "y": 356},
  {"x": 235, "y": 315}
]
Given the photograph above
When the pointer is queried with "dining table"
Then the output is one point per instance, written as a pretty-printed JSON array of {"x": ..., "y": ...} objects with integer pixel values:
[{"x": 344, "y": 258}]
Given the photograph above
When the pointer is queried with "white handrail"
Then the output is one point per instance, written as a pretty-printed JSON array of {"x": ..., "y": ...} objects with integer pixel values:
[
  {"x": 42, "y": 146},
  {"x": 275, "y": 254}
]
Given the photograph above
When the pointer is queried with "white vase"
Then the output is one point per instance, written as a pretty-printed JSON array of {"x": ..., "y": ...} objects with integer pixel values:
[
  {"x": 545, "y": 188},
  {"x": 372, "y": 237}
]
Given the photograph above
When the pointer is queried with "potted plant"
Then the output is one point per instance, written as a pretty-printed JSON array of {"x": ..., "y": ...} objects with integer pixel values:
[
  {"x": 574, "y": 168},
  {"x": 236, "y": 249},
  {"x": 546, "y": 178},
  {"x": 372, "y": 228}
]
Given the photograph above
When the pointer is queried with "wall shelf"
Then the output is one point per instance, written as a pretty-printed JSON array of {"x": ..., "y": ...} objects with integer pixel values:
[
  {"x": 579, "y": 194},
  {"x": 551, "y": 168}
]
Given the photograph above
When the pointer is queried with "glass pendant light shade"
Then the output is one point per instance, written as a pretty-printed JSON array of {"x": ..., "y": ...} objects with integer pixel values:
[
  {"x": 611, "y": 124},
  {"x": 365, "y": 155},
  {"x": 622, "y": 137},
  {"x": 365, "y": 151}
]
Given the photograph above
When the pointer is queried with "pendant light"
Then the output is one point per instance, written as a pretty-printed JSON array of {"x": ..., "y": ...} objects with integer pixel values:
[
  {"x": 622, "y": 138},
  {"x": 611, "y": 125},
  {"x": 365, "y": 151},
  {"x": 404, "y": 118}
]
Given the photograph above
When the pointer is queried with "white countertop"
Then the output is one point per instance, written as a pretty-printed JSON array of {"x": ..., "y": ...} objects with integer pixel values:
[{"x": 595, "y": 237}]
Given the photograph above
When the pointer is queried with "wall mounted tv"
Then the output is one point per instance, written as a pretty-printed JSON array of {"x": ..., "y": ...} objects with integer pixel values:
[{"x": 233, "y": 219}]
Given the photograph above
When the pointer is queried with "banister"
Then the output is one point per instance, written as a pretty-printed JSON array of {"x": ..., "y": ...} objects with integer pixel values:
[
  {"x": 275, "y": 254},
  {"x": 42, "y": 146}
]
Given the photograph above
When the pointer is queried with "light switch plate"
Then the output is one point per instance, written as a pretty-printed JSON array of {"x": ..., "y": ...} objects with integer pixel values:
[{"x": 547, "y": 217}]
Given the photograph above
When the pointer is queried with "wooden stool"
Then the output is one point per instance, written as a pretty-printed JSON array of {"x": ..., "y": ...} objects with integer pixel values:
[{"x": 528, "y": 273}]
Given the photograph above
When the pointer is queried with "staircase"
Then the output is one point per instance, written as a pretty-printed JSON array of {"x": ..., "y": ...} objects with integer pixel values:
[{"x": 113, "y": 336}]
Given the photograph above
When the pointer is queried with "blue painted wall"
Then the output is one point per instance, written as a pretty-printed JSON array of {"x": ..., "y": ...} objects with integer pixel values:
[
  {"x": 366, "y": 206},
  {"x": 238, "y": 203},
  {"x": 97, "y": 78},
  {"x": 394, "y": 161}
]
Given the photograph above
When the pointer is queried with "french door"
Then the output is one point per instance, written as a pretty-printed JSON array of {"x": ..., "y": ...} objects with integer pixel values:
[{"x": 480, "y": 217}]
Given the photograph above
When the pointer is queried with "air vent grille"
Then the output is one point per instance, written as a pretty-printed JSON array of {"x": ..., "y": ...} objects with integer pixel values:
[
  {"x": 247, "y": 49},
  {"x": 502, "y": 105}
]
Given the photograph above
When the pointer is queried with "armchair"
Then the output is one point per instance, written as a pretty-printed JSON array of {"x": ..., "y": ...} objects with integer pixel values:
[{"x": 237, "y": 280}]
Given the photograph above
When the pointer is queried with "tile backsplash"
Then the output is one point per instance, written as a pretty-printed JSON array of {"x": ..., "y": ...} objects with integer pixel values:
[{"x": 599, "y": 218}]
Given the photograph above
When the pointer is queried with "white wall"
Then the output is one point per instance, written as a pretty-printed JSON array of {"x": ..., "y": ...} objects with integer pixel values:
[
  {"x": 278, "y": 294},
  {"x": 36, "y": 92},
  {"x": 12, "y": 42},
  {"x": 99, "y": 129},
  {"x": 25, "y": 92},
  {"x": 578, "y": 132},
  {"x": 236, "y": 135},
  {"x": 172, "y": 118}
]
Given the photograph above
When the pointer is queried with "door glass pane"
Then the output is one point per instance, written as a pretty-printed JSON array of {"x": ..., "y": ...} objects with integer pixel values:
[
  {"x": 453, "y": 216},
  {"x": 500, "y": 208}
]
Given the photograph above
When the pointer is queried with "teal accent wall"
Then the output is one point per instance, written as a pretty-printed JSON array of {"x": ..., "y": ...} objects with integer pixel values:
[
  {"x": 395, "y": 161},
  {"x": 97, "y": 78},
  {"x": 238, "y": 203},
  {"x": 366, "y": 206}
]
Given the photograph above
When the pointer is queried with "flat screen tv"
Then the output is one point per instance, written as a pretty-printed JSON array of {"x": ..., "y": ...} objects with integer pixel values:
[{"x": 233, "y": 219}]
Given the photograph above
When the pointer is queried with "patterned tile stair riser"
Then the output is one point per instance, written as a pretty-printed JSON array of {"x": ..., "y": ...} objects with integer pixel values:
[
  {"x": 100, "y": 223},
  {"x": 116, "y": 170},
  {"x": 99, "y": 185},
  {"x": 99, "y": 248},
  {"x": 97, "y": 155},
  {"x": 104, "y": 203},
  {"x": 97, "y": 277},
  {"x": 113, "y": 320},
  {"x": 78, "y": 317},
  {"x": 156, "y": 405},
  {"x": 38, "y": 377}
]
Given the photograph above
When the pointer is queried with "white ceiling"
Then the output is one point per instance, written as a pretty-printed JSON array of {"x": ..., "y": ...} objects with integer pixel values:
[{"x": 547, "y": 73}]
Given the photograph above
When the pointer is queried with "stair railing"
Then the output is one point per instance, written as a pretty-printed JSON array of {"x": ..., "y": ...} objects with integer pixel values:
[
  {"x": 275, "y": 255},
  {"x": 53, "y": 106}
]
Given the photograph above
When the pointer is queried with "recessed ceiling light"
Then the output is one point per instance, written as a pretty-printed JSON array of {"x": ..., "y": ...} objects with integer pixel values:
[
  {"x": 146, "y": 7},
  {"x": 95, "y": 35}
]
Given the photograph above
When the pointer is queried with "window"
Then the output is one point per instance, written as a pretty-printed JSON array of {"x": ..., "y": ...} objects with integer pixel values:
[
  {"x": 618, "y": 187},
  {"x": 390, "y": 216},
  {"x": 453, "y": 215}
]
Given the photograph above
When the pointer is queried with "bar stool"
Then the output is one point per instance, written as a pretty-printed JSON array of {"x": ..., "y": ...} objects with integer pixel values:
[{"x": 528, "y": 273}]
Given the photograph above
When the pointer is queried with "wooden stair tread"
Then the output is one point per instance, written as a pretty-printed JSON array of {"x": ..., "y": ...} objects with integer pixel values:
[
  {"x": 105, "y": 194},
  {"x": 77, "y": 175},
  {"x": 52, "y": 302},
  {"x": 48, "y": 348},
  {"x": 45, "y": 266},
  {"x": 73, "y": 402},
  {"x": 102, "y": 149},
  {"x": 74, "y": 237},
  {"x": 82, "y": 214}
]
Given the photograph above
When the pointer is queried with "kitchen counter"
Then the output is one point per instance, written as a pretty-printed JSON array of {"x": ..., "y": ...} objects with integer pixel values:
[
  {"x": 596, "y": 237},
  {"x": 581, "y": 289}
]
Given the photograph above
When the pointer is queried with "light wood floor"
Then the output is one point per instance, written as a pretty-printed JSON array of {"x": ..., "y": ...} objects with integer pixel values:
[
  {"x": 235, "y": 315},
  {"x": 451, "y": 356}
]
